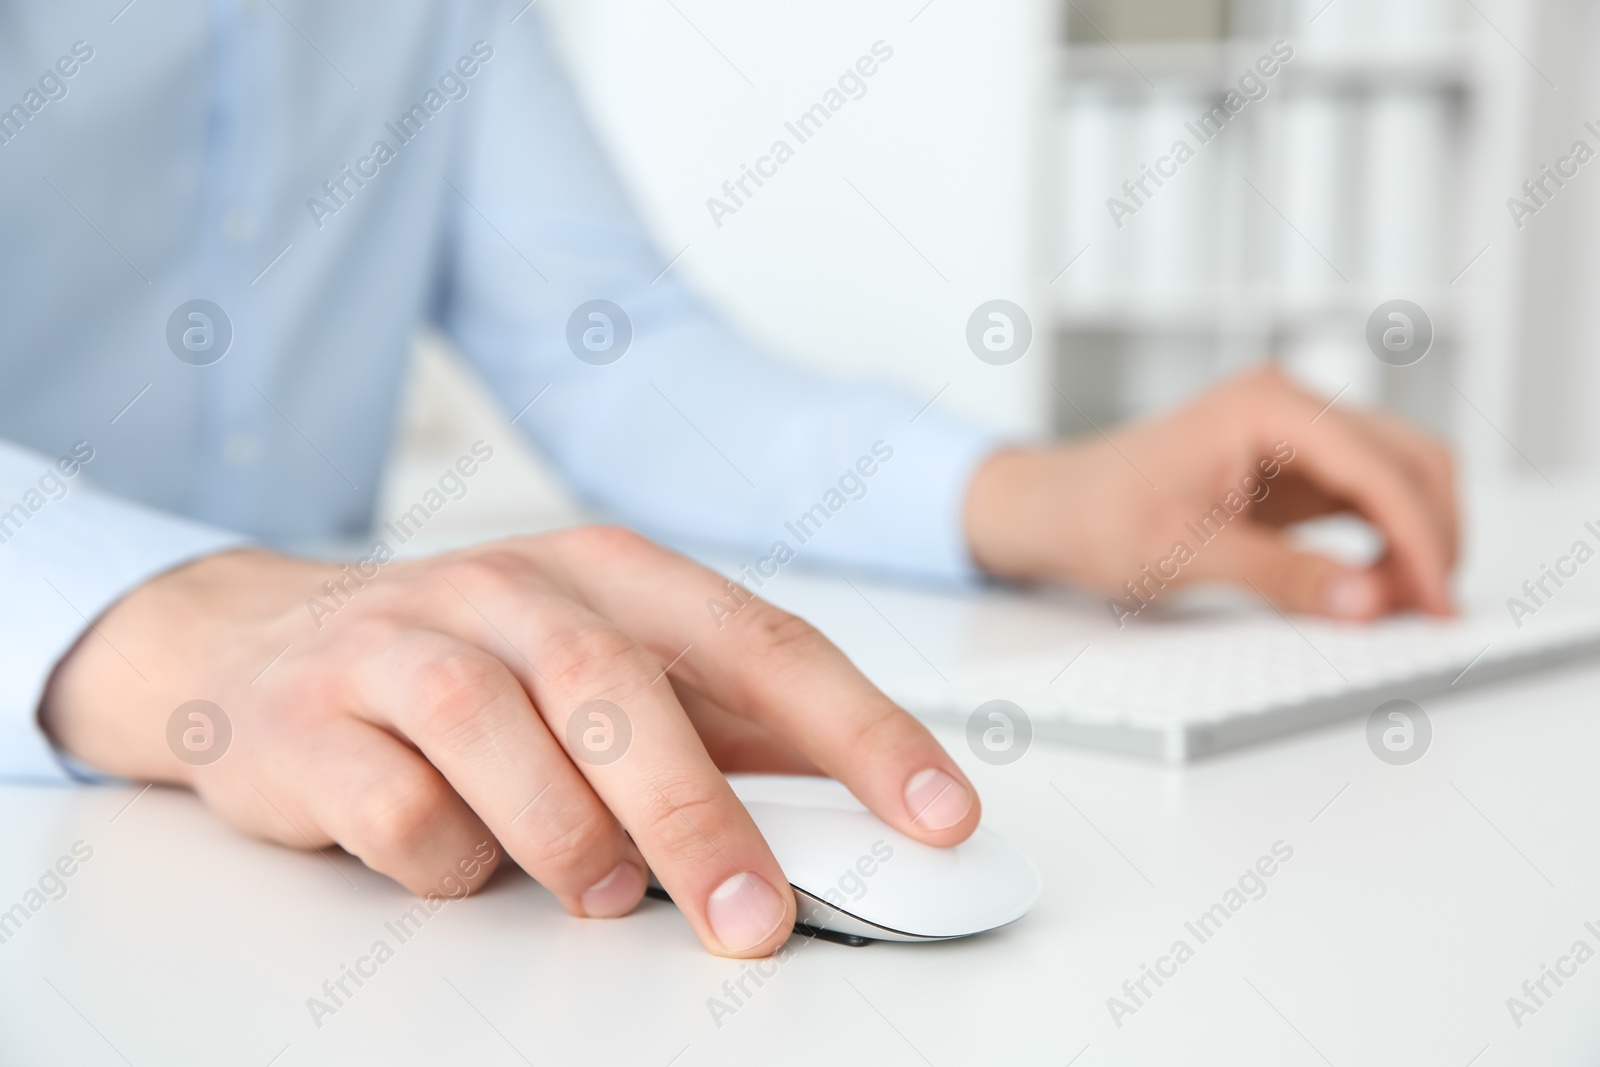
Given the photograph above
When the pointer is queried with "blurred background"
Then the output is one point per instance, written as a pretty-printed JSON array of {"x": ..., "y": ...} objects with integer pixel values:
[{"x": 979, "y": 163}]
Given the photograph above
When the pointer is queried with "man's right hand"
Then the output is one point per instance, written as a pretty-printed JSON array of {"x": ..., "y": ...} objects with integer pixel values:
[{"x": 430, "y": 712}]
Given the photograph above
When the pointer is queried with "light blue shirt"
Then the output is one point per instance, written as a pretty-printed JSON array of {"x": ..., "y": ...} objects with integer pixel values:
[{"x": 332, "y": 177}]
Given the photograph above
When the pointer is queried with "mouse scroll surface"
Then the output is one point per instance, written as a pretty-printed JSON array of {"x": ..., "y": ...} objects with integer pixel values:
[{"x": 855, "y": 875}]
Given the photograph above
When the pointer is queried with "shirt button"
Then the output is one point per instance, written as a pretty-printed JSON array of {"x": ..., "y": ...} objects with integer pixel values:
[
  {"x": 239, "y": 227},
  {"x": 241, "y": 449}
]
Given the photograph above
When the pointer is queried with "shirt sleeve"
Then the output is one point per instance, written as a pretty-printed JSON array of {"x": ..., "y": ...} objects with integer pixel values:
[
  {"x": 693, "y": 434},
  {"x": 67, "y": 553}
]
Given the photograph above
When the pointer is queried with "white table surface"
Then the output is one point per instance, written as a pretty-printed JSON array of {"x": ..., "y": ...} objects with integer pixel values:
[{"x": 1418, "y": 899}]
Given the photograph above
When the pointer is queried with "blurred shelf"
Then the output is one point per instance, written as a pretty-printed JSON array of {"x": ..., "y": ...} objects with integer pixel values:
[
  {"x": 1216, "y": 66},
  {"x": 1217, "y": 283},
  {"x": 1237, "y": 312}
]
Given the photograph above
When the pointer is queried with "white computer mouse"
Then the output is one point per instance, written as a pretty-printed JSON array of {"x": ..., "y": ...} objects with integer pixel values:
[{"x": 856, "y": 878}]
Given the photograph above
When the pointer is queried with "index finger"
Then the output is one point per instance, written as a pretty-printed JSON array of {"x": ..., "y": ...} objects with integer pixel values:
[
  {"x": 1341, "y": 459},
  {"x": 585, "y": 674},
  {"x": 1428, "y": 462},
  {"x": 778, "y": 670}
]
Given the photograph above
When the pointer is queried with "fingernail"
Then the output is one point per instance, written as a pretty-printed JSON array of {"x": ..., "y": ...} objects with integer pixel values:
[
  {"x": 1350, "y": 596},
  {"x": 615, "y": 894},
  {"x": 936, "y": 800},
  {"x": 744, "y": 911}
]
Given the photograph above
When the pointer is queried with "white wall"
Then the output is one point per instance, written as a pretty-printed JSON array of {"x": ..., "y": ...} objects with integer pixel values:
[{"x": 943, "y": 145}]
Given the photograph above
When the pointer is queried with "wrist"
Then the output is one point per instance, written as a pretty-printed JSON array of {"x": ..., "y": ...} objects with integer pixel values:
[
  {"x": 1005, "y": 513},
  {"x": 185, "y": 635},
  {"x": 1031, "y": 513}
]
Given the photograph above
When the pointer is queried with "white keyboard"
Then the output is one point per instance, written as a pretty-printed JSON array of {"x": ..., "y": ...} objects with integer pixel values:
[{"x": 1184, "y": 688}]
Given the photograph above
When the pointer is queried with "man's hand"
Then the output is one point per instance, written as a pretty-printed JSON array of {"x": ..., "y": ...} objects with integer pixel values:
[
  {"x": 431, "y": 713},
  {"x": 1099, "y": 513}
]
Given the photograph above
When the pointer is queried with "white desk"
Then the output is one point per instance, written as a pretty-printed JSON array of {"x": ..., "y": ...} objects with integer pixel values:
[{"x": 1418, "y": 900}]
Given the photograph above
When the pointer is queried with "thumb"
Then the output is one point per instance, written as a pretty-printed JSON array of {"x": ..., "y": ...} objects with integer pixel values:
[{"x": 1295, "y": 581}]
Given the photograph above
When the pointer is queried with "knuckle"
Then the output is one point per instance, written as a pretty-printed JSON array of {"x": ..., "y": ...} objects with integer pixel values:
[
  {"x": 886, "y": 730},
  {"x": 587, "y": 654},
  {"x": 1269, "y": 377},
  {"x": 452, "y": 688},
  {"x": 563, "y": 855},
  {"x": 684, "y": 820},
  {"x": 487, "y": 568},
  {"x": 1273, "y": 387},
  {"x": 398, "y": 819},
  {"x": 609, "y": 540},
  {"x": 773, "y": 634}
]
